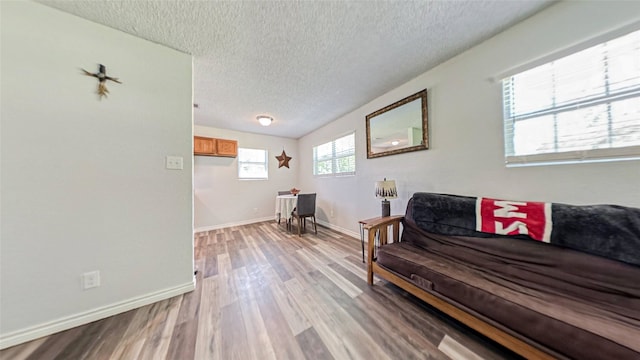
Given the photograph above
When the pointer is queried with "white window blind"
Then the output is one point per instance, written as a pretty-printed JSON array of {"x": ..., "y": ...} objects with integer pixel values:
[
  {"x": 252, "y": 164},
  {"x": 337, "y": 157},
  {"x": 583, "y": 107}
]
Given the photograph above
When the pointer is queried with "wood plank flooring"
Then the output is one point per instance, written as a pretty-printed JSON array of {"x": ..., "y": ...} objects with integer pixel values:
[{"x": 263, "y": 293}]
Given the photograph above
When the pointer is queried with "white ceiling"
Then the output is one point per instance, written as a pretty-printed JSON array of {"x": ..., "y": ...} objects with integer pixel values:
[{"x": 305, "y": 63}]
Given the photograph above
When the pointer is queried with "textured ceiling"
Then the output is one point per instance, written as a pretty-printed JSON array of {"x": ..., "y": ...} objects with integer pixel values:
[{"x": 305, "y": 63}]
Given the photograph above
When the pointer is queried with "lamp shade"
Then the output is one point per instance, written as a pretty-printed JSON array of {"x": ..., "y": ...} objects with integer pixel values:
[{"x": 386, "y": 189}]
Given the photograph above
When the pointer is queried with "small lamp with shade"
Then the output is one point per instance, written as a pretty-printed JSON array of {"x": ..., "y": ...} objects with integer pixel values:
[{"x": 386, "y": 189}]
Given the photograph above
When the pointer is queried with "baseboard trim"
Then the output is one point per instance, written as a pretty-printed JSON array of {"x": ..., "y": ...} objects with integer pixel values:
[
  {"x": 68, "y": 322},
  {"x": 239, "y": 223},
  {"x": 339, "y": 229},
  {"x": 253, "y": 221}
]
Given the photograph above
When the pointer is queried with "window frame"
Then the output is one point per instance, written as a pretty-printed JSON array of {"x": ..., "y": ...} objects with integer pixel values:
[
  {"x": 335, "y": 157},
  {"x": 609, "y": 98},
  {"x": 265, "y": 163}
]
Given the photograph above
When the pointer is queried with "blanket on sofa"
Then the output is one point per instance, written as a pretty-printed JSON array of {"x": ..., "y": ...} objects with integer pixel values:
[{"x": 610, "y": 231}]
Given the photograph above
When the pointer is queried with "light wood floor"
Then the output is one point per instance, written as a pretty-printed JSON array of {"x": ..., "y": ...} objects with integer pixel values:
[{"x": 263, "y": 293}]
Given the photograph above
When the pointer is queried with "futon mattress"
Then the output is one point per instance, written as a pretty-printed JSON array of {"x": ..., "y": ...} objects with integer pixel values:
[{"x": 576, "y": 304}]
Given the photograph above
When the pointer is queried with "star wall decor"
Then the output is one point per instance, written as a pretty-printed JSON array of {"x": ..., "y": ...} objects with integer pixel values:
[
  {"x": 102, "y": 77},
  {"x": 283, "y": 160}
]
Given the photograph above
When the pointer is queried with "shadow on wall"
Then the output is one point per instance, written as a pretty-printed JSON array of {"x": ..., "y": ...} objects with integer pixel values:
[
  {"x": 202, "y": 211},
  {"x": 213, "y": 160},
  {"x": 322, "y": 215}
]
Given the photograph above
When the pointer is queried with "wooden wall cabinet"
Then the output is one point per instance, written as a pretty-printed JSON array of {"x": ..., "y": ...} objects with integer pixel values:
[
  {"x": 214, "y": 147},
  {"x": 204, "y": 146},
  {"x": 226, "y": 148}
]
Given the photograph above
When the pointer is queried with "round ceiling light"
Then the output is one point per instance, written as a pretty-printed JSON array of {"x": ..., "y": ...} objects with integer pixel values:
[{"x": 264, "y": 120}]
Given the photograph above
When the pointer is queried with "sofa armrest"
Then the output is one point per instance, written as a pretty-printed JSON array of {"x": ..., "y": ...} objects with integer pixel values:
[{"x": 381, "y": 226}]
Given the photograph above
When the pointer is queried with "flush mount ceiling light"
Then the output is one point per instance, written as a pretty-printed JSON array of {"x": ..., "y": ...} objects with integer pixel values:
[{"x": 264, "y": 120}]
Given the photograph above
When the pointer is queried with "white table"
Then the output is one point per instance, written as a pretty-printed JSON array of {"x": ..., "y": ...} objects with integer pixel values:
[{"x": 285, "y": 205}]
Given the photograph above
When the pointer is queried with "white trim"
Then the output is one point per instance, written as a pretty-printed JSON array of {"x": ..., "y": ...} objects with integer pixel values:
[
  {"x": 548, "y": 223},
  {"x": 68, "y": 322},
  {"x": 583, "y": 156},
  {"x": 479, "y": 214},
  {"x": 334, "y": 158},
  {"x": 238, "y": 223},
  {"x": 340, "y": 229},
  {"x": 270, "y": 218},
  {"x": 265, "y": 163}
]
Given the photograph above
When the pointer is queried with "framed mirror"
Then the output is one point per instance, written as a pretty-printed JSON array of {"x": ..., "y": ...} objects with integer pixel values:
[{"x": 398, "y": 128}]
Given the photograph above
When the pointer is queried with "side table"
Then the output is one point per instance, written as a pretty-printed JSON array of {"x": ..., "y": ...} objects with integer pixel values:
[{"x": 379, "y": 236}]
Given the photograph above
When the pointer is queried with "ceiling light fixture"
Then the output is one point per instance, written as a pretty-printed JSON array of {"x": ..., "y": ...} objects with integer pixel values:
[{"x": 264, "y": 120}]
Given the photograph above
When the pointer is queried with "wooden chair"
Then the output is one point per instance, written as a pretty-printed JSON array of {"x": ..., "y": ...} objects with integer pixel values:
[{"x": 306, "y": 207}]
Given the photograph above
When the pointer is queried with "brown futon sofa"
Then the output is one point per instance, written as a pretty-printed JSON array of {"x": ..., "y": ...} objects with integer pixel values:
[{"x": 545, "y": 280}]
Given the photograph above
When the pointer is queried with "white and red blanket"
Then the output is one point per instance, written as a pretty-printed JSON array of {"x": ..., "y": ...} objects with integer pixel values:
[
  {"x": 612, "y": 231},
  {"x": 505, "y": 217}
]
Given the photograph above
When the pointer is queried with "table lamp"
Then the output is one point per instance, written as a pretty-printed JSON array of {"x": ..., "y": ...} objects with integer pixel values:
[{"x": 386, "y": 189}]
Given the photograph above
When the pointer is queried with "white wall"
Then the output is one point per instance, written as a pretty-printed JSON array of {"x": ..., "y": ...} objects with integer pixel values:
[
  {"x": 221, "y": 199},
  {"x": 83, "y": 181},
  {"x": 465, "y": 124}
]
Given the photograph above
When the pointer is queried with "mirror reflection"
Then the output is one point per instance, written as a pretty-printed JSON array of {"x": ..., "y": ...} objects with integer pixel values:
[{"x": 398, "y": 128}]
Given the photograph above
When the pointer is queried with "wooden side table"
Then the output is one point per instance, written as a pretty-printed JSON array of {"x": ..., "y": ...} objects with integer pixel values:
[{"x": 379, "y": 236}]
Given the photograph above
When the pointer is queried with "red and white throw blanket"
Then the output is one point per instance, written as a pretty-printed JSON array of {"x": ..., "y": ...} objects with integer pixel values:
[
  {"x": 506, "y": 217},
  {"x": 611, "y": 231}
]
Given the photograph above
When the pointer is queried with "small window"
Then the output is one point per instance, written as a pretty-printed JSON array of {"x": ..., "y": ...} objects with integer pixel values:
[
  {"x": 583, "y": 107},
  {"x": 252, "y": 164},
  {"x": 337, "y": 157}
]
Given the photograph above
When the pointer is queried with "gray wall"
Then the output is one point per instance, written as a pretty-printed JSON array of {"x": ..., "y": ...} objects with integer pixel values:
[{"x": 84, "y": 186}]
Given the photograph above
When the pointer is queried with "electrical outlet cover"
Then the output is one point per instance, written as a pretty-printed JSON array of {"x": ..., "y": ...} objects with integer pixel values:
[{"x": 90, "y": 279}]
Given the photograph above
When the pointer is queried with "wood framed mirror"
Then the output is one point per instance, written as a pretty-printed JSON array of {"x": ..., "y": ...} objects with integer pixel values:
[{"x": 398, "y": 128}]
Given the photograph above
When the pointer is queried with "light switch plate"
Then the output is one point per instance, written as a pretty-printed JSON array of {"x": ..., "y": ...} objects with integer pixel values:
[{"x": 174, "y": 163}]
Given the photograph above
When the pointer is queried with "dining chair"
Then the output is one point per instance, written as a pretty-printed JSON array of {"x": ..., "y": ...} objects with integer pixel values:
[{"x": 306, "y": 207}]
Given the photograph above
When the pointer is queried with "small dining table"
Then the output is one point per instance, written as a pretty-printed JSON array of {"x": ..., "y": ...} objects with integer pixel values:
[{"x": 285, "y": 205}]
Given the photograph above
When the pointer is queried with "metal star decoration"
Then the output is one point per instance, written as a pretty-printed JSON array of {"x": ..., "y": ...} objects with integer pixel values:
[
  {"x": 283, "y": 160},
  {"x": 102, "y": 77}
]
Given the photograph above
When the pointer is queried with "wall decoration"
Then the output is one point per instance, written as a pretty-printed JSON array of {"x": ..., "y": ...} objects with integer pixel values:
[
  {"x": 283, "y": 159},
  {"x": 102, "y": 77},
  {"x": 398, "y": 128}
]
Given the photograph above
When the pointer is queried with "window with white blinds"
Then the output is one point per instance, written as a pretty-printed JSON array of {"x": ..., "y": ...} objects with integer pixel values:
[
  {"x": 583, "y": 107},
  {"x": 252, "y": 164},
  {"x": 337, "y": 157}
]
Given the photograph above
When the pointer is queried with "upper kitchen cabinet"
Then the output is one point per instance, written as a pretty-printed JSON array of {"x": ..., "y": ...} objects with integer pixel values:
[{"x": 214, "y": 147}]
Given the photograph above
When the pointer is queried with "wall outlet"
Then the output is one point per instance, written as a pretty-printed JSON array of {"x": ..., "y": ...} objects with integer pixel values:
[
  {"x": 90, "y": 279},
  {"x": 174, "y": 163}
]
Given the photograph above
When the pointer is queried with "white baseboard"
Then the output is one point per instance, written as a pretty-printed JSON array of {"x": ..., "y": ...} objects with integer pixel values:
[
  {"x": 68, "y": 322},
  {"x": 339, "y": 229},
  {"x": 252, "y": 221},
  {"x": 239, "y": 223}
]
